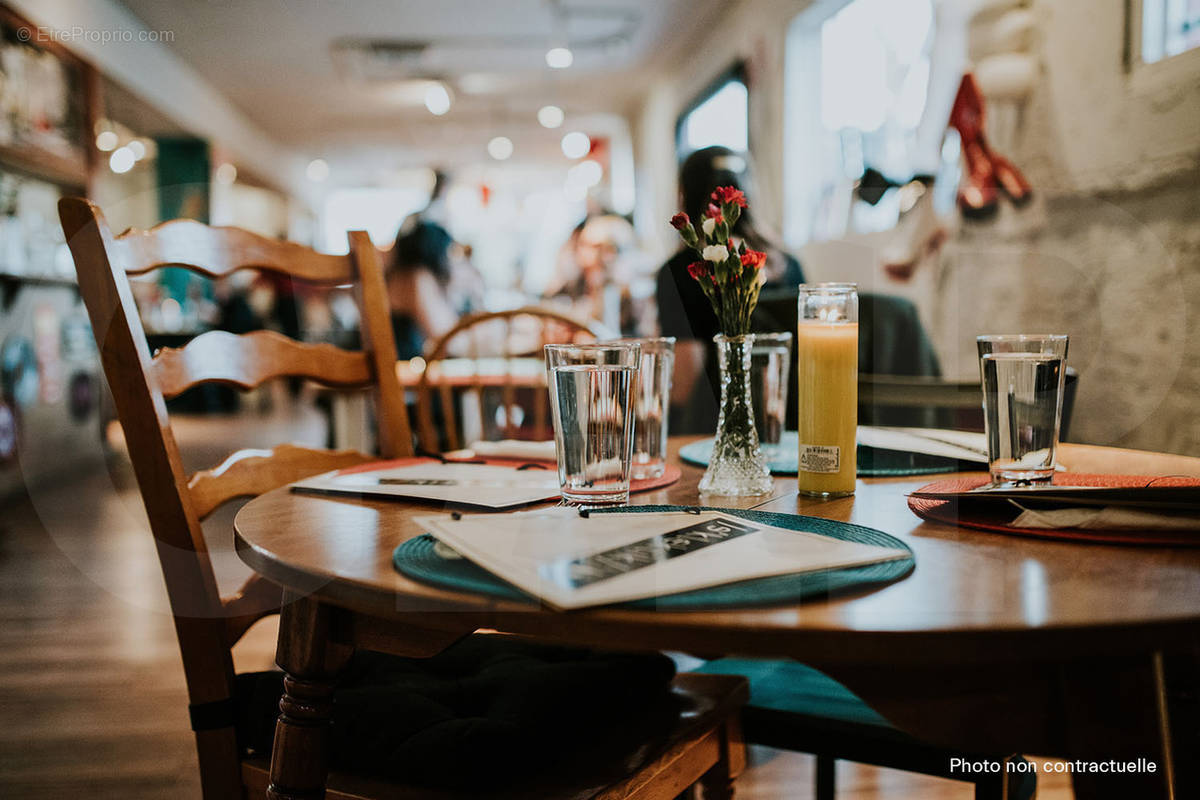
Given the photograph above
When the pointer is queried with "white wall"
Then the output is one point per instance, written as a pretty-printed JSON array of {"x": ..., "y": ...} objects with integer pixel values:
[{"x": 1109, "y": 252}]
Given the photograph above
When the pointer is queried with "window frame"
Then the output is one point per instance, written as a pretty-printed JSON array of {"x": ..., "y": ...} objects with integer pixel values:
[
  {"x": 1167, "y": 72},
  {"x": 735, "y": 72}
]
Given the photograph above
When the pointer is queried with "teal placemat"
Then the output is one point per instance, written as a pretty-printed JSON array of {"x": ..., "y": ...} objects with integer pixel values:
[
  {"x": 420, "y": 560},
  {"x": 872, "y": 461}
]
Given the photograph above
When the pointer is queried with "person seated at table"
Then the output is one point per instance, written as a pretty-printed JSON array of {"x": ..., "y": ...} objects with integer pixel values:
[
  {"x": 683, "y": 310},
  {"x": 598, "y": 277},
  {"x": 425, "y": 297}
]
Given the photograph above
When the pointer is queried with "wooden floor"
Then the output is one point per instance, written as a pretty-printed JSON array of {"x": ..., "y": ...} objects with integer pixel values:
[{"x": 92, "y": 698}]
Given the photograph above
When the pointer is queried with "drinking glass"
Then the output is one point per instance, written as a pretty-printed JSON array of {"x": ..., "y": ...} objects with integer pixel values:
[
  {"x": 652, "y": 402},
  {"x": 591, "y": 392},
  {"x": 1023, "y": 377},
  {"x": 770, "y": 366}
]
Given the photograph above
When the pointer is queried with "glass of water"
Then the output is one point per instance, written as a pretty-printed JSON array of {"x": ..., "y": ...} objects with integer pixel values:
[
  {"x": 770, "y": 367},
  {"x": 592, "y": 387},
  {"x": 1023, "y": 377},
  {"x": 652, "y": 402}
]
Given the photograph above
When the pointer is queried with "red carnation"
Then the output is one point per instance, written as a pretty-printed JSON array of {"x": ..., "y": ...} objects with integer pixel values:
[
  {"x": 680, "y": 221},
  {"x": 754, "y": 258},
  {"x": 729, "y": 194},
  {"x": 697, "y": 269},
  {"x": 714, "y": 212}
]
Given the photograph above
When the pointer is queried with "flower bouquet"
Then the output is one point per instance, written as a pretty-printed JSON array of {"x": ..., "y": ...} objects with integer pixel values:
[{"x": 730, "y": 275}]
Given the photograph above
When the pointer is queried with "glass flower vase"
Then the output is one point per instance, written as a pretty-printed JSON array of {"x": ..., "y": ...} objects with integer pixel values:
[{"x": 737, "y": 467}]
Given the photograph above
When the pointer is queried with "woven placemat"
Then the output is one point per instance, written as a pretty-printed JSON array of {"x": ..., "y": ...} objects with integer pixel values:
[
  {"x": 421, "y": 559},
  {"x": 873, "y": 462}
]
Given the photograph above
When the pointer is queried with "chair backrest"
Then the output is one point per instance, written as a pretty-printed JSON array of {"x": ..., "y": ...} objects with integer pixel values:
[
  {"x": 923, "y": 402},
  {"x": 493, "y": 361},
  {"x": 207, "y": 624}
]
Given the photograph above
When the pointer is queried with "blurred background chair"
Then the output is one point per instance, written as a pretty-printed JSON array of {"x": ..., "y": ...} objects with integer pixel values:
[{"x": 489, "y": 376}]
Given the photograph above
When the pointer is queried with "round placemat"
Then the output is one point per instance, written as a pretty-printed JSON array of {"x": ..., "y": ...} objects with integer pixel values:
[
  {"x": 422, "y": 559},
  {"x": 873, "y": 462},
  {"x": 1000, "y": 521}
]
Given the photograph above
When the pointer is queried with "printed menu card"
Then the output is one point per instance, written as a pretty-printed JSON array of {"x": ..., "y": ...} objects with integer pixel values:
[
  {"x": 479, "y": 485},
  {"x": 572, "y": 561}
]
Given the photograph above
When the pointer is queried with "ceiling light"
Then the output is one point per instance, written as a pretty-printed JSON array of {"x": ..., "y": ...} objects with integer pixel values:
[
  {"x": 550, "y": 116},
  {"x": 226, "y": 174},
  {"x": 559, "y": 58},
  {"x": 500, "y": 148},
  {"x": 318, "y": 170},
  {"x": 437, "y": 99},
  {"x": 138, "y": 149},
  {"x": 587, "y": 173},
  {"x": 107, "y": 140},
  {"x": 576, "y": 145},
  {"x": 121, "y": 160}
]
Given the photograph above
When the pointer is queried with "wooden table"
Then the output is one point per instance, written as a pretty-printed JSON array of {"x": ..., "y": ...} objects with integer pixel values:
[{"x": 994, "y": 644}]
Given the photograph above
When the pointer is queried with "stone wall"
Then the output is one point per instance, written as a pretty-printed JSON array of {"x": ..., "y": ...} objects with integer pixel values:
[
  {"x": 1110, "y": 250},
  {"x": 1121, "y": 274}
]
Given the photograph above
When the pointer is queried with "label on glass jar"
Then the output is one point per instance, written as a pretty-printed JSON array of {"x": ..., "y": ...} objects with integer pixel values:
[{"x": 820, "y": 458}]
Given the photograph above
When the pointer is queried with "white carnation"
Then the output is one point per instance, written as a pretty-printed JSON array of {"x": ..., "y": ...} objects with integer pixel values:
[
  {"x": 716, "y": 253},
  {"x": 709, "y": 226}
]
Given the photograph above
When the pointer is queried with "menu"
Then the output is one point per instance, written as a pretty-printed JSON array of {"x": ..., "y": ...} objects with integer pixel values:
[
  {"x": 478, "y": 485},
  {"x": 573, "y": 561}
]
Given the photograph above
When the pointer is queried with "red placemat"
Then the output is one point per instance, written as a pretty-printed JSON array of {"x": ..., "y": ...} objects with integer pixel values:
[
  {"x": 1000, "y": 521},
  {"x": 668, "y": 477}
]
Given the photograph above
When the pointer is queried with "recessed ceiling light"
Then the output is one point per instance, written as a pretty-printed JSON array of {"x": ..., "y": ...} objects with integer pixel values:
[
  {"x": 106, "y": 141},
  {"x": 588, "y": 173},
  {"x": 576, "y": 145},
  {"x": 318, "y": 170},
  {"x": 500, "y": 148},
  {"x": 550, "y": 116},
  {"x": 437, "y": 99},
  {"x": 138, "y": 149},
  {"x": 121, "y": 160},
  {"x": 559, "y": 58}
]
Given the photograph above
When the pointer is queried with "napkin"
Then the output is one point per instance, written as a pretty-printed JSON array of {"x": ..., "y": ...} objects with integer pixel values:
[
  {"x": 513, "y": 448},
  {"x": 1106, "y": 518}
]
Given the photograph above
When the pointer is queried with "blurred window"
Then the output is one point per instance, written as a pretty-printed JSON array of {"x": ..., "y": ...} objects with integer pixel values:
[
  {"x": 1169, "y": 27},
  {"x": 857, "y": 85},
  {"x": 378, "y": 211},
  {"x": 719, "y": 116}
]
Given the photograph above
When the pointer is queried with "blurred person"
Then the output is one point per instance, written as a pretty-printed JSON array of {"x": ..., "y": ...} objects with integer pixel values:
[
  {"x": 425, "y": 297},
  {"x": 599, "y": 272},
  {"x": 683, "y": 310},
  {"x": 435, "y": 210}
]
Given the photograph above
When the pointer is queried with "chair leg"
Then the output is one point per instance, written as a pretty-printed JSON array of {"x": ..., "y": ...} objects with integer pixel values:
[
  {"x": 826, "y": 781},
  {"x": 717, "y": 783}
]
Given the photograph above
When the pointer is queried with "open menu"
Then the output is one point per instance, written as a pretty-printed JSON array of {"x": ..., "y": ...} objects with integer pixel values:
[
  {"x": 479, "y": 485},
  {"x": 570, "y": 561}
]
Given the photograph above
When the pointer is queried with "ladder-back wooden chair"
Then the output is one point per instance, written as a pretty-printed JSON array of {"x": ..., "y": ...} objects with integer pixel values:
[
  {"x": 489, "y": 368},
  {"x": 705, "y": 745}
]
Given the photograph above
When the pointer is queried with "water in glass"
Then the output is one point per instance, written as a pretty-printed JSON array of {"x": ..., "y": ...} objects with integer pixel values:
[
  {"x": 1021, "y": 396},
  {"x": 593, "y": 429}
]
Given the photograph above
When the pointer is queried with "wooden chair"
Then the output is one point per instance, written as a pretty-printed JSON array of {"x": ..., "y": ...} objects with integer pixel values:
[
  {"x": 502, "y": 368},
  {"x": 704, "y": 747}
]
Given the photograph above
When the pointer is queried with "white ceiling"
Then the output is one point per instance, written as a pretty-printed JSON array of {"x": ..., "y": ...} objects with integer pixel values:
[{"x": 290, "y": 66}]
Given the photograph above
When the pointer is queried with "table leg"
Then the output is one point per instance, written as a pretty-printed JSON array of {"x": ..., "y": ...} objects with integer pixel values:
[
  {"x": 1112, "y": 712},
  {"x": 300, "y": 753}
]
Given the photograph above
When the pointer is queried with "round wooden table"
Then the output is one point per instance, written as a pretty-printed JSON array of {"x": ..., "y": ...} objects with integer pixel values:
[{"x": 995, "y": 643}]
